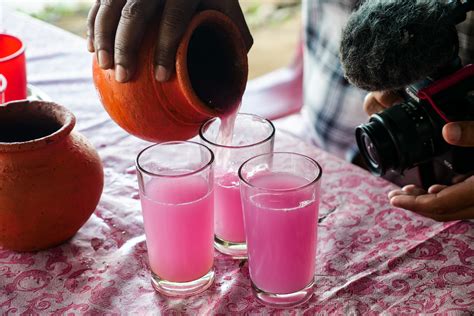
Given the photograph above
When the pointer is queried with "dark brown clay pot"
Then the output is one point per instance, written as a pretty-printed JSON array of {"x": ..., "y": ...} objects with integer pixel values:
[
  {"x": 51, "y": 177},
  {"x": 209, "y": 81}
]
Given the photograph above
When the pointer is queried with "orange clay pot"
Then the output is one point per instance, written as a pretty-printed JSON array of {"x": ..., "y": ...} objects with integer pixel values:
[
  {"x": 209, "y": 81},
  {"x": 51, "y": 177}
]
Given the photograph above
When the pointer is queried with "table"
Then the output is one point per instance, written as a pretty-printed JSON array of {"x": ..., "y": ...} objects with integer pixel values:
[{"x": 372, "y": 258}]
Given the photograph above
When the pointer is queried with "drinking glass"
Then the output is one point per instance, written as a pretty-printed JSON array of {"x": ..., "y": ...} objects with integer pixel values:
[
  {"x": 280, "y": 197},
  {"x": 176, "y": 183},
  {"x": 13, "y": 67},
  {"x": 251, "y": 135}
]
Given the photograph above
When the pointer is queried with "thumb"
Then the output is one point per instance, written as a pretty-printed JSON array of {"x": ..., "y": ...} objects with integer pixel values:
[
  {"x": 459, "y": 133},
  {"x": 377, "y": 101},
  {"x": 174, "y": 21}
]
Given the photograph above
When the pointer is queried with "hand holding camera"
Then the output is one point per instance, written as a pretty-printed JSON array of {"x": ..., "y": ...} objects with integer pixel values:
[
  {"x": 439, "y": 202},
  {"x": 455, "y": 133},
  {"x": 408, "y": 52},
  {"x": 459, "y": 133}
]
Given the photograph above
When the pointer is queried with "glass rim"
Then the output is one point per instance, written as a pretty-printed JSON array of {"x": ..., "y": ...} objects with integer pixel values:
[
  {"x": 310, "y": 183},
  {"x": 3, "y": 83},
  {"x": 204, "y": 167},
  {"x": 266, "y": 139},
  {"x": 17, "y": 53}
]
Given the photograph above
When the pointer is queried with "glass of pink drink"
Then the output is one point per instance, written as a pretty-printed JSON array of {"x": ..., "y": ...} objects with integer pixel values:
[
  {"x": 176, "y": 183},
  {"x": 233, "y": 141},
  {"x": 280, "y": 197}
]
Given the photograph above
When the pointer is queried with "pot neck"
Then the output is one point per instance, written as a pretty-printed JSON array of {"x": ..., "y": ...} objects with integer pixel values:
[
  {"x": 31, "y": 125},
  {"x": 212, "y": 65}
]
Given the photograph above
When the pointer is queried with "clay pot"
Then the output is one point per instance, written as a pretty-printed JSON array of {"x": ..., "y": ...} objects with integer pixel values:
[
  {"x": 209, "y": 81},
  {"x": 51, "y": 177}
]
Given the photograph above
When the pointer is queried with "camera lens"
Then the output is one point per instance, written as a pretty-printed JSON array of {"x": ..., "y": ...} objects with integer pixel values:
[
  {"x": 400, "y": 137},
  {"x": 376, "y": 147},
  {"x": 371, "y": 150}
]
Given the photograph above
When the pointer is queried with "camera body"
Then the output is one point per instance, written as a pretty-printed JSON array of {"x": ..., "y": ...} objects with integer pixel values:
[{"x": 409, "y": 135}]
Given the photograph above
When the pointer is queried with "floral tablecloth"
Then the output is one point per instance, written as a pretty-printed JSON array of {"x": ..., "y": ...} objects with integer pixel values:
[{"x": 372, "y": 258}]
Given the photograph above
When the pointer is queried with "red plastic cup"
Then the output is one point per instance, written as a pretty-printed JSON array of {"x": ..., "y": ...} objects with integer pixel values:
[
  {"x": 13, "y": 67},
  {"x": 3, "y": 87}
]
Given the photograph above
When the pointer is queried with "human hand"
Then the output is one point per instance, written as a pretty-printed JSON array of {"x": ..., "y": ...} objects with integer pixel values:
[
  {"x": 459, "y": 133},
  {"x": 116, "y": 29},
  {"x": 440, "y": 202},
  {"x": 456, "y": 133},
  {"x": 380, "y": 100}
]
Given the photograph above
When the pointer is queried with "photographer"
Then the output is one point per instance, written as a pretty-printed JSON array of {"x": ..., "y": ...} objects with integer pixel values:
[{"x": 440, "y": 202}]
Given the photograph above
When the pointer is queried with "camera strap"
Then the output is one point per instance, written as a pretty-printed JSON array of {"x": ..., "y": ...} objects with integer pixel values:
[{"x": 436, "y": 87}]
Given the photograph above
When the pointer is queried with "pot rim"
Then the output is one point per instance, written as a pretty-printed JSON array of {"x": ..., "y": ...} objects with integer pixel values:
[
  {"x": 215, "y": 17},
  {"x": 50, "y": 110}
]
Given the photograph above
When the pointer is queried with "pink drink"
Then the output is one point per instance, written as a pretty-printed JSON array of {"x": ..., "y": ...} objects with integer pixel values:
[
  {"x": 234, "y": 139},
  {"x": 178, "y": 217},
  {"x": 226, "y": 130},
  {"x": 228, "y": 221},
  {"x": 281, "y": 233}
]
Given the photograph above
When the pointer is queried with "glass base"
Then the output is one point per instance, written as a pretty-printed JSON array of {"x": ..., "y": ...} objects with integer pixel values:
[
  {"x": 284, "y": 300},
  {"x": 182, "y": 289},
  {"x": 235, "y": 250}
]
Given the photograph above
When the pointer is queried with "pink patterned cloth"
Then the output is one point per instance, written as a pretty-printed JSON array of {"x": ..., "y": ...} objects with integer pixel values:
[{"x": 372, "y": 258}]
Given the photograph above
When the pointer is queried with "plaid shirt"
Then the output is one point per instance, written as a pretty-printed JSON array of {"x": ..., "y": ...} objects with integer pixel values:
[{"x": 333, "y": 106}]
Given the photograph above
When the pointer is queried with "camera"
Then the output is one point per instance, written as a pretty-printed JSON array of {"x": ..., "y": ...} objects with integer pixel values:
[{"x": 409, "y": 135}]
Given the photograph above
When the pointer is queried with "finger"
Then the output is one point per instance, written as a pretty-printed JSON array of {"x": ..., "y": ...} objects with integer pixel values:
[
  {"x": 413, "y": 190},
  {"x": 455, "y": 197},
  {"x": 371, "y": 104},
  {"x": 387, "y": 98},
  {"x": 406, "y": 190},
  {"x": 232, "y": 9},
  {"x": 105, "y": 27},
  {"x": 394, "y": 193},
  {"x": 130, "y": 32},
  {"x": 90, "y": 25},
  {"x": 380, "y": 100},
  {"x": 459, "y": 133},
  {"x": 175, "y": 19},
  {"x": 436, "y": 188}
]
